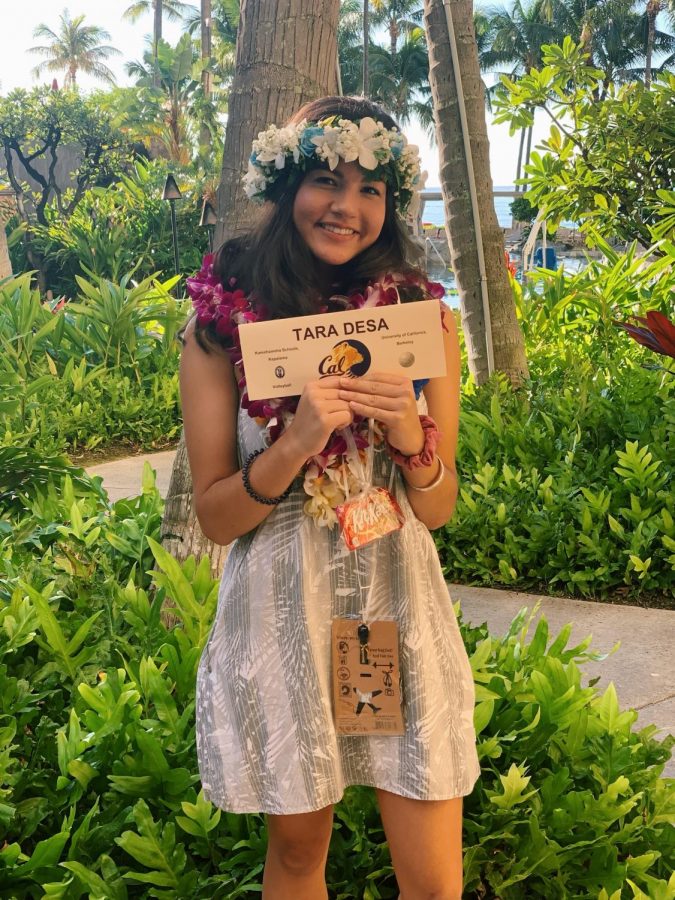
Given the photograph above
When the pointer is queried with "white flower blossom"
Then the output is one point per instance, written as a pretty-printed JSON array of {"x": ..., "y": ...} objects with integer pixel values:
[
  {"x": 254, "y": 181},
  {"x": 326, "y": 146}
]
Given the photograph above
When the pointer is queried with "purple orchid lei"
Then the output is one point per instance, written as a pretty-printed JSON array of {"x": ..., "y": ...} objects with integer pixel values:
[{"x": 329, "y": 476}]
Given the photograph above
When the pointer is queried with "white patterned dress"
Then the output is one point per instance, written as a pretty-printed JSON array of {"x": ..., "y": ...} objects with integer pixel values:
[{"x": 266, "y": 740}]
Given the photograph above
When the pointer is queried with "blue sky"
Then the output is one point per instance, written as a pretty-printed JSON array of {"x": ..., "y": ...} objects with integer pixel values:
[{"x": 16, "y": 36}]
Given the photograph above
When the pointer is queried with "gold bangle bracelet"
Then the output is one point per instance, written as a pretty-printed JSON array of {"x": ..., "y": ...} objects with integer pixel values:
[{"x": 434, "y": 484}]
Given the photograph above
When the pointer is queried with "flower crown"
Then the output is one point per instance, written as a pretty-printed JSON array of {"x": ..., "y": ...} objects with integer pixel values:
[{"x": 283, "y": 155}]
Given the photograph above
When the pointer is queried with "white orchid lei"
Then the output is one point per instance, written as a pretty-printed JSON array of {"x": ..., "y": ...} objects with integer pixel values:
[{"x": 282, "y": 155}]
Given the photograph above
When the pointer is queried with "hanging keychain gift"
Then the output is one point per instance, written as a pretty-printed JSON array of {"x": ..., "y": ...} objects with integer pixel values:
[{"x": 373, "y": 512}]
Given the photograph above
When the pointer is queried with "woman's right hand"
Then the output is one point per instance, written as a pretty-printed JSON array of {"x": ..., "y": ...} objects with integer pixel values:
[{"x": 319, "y": 413}]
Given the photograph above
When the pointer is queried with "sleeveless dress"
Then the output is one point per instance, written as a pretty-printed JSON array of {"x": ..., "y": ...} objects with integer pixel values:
[{"x": 266, "y": 741}]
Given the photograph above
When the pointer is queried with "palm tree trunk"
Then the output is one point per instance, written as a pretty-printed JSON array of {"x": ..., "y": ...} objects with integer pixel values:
[
  {"x": 528, "y": 149},
  {"x": 181, "y": 534},
  {"x": 393, "y": 37},
  {"x": 204, "y": 133},
  {"x": 520, "y": 158},
  {"x": 264, "y": 90},
  {"x": 509, "y": 349},
  {"x": 653, "y": 9},
  {"x": 156, "y": 38},
  {"x": 366, "y": 40}
]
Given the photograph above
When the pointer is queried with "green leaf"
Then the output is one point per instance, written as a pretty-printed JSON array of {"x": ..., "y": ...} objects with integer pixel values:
[
  {"x": 513, "y": 783},
  {"x": 49, "y": 624},
  {"x": 94, "y": 883},
  {"x": 154, "y": 848},
  {"x": 47, "y": 853}
]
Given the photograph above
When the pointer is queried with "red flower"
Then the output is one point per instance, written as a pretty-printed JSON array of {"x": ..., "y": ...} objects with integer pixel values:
[{"x": 435, "y": 289}]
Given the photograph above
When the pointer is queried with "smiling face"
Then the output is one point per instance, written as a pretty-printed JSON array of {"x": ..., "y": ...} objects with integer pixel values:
[{"x": 339, "y": 214}]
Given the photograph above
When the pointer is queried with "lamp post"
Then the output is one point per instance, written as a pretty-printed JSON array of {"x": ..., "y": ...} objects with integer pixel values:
[
  {"x": 208, "y": 220},
  {"x": 171, "y": 193}
]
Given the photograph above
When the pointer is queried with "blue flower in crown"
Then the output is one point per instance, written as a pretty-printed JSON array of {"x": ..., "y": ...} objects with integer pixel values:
[
  {"x": 396, "y": 146},
  {"x": 307, "y": 147}
]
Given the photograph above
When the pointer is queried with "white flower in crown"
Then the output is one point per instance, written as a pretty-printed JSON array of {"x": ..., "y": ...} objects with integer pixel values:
[
  {"x": 255, "y": 182},
  {"x": 373, "y": 144},
  {"x": 273, "y": 145},
  {"x": 410, "y": 165},
  {"x": 327, "y": 146}
]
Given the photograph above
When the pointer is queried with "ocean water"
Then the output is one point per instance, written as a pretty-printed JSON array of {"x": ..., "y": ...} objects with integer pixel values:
[{"x": 435, "y": 215}]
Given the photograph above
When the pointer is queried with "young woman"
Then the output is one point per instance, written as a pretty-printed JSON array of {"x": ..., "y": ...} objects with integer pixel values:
[{"x": 272, "y": 477}]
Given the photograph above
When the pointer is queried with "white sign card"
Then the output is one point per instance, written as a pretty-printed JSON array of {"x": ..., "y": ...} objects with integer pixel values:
[{"x": 282, "y": 355}]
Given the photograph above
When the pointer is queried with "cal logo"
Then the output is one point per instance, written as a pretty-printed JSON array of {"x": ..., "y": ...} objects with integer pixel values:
[{"x": 351, "y": 358}]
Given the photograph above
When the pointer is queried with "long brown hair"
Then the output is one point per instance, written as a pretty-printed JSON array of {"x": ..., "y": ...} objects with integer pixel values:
[{"x": 273, "y": 263}]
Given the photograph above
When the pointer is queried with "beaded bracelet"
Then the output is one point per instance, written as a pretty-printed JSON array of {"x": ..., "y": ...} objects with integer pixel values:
[
  {"x": 427, "y": 454},
  {"x": 268, "y": 501}
]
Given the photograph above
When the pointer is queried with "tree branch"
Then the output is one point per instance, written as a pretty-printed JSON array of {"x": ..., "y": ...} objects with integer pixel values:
[
  {"x": 13, "y": 180},
  {"x": 567, "y": 134}
]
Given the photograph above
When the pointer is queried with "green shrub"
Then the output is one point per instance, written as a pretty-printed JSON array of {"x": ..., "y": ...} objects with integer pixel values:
[
  {"x": 99, "y": 790},
  {"x": 567, "y": 485},
  {"x": 567, "y": 488},
  {"x": 103, "y": 370},
  {"x": 522, "y": 210},
  {"x": 122, "y": 229}
]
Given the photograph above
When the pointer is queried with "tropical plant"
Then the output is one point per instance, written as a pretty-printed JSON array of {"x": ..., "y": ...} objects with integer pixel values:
[
  {"x": 614, "y": 34},
  {"x": 652, "y": 10},
  {"x": 605, "y": 163},
  {"x": 171, "y": 103},
  {"x": 398, "y": 17},
  {"x": 175, "y": 11},
  {"x": 483, "y": 30},
  {"x": 566, "y": 486},
  {"x": 123, "y": 229},
  {"x": 7, "y": 213},
  {"x": 522, "y": 210},
  {"x": 654, "y": 330},
  {"x": 76, "y": 47},
  {"x": 398, "y": 80},
  {"x": 515, "y": 39},
  {"x": 83, "y": 374},
  {"x": 224, "y": 23},
  {"x": 35, "y": 129},
  {"x": 350, "y": 46},
  {"x": 100, "y": 790}
]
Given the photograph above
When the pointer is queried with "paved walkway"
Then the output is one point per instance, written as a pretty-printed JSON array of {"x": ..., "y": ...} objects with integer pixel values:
[{"x": 642, "y": 668}]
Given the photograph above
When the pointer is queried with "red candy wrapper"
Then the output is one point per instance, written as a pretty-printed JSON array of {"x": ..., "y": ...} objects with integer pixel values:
[{"x": 368, "y": 517}]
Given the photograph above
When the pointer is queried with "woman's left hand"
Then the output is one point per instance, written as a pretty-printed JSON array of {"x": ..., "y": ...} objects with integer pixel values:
[{"x": 391, "y": 400}]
